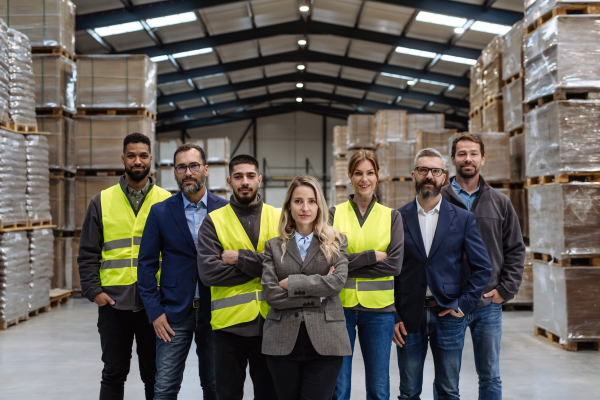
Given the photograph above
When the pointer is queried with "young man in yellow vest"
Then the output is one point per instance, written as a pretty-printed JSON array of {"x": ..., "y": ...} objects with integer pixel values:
[
  {"x": 108, "y": 252},
  {"x": 230, "y": 245}
]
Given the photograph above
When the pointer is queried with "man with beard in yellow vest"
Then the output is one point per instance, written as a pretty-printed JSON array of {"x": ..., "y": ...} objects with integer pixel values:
[
  {"x": 108, "y": 252},
  {"x": 230, "y": 245}
]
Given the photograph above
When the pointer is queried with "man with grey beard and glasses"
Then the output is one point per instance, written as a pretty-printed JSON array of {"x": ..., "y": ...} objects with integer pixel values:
[{"x": 180, "y": 310}]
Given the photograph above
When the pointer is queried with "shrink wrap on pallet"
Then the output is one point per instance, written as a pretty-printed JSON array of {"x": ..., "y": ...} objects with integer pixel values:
[
  {"x": 476, "y": 123},
  {"x": 382, "y": 154},
  {"x": 38, "y": 178},
  {"x": 390, "y": 125},
  {"x": 218, "y": 150},
  {"x": 13, "y": 178},
  {"x": 360, "y": 132},
  {"x": 87, "y": 187},
  {"x": 492, "y": 79},
  {"x": 566, "y": 301},
  {"x": 434, "y": 139},
  {"x": 339, "y": 194},
  {"x": 63, "y": 263},
  {"x": 492, "y": 117},
  {"x": 564, "y": 219},
  {"x": 562, "y": 137},
  {"x": 396, "y": 194},
  {"x": 54, "y": 82},
  {"x": 562, "y": 55},
  {"x": 401, "y": 158},
  {"x": 340, "y": 171},
  {"x": 62, "y": 203},
  {"x": 4, "y": 75},
  {"x": 476, "y": 85},
  {"x": 41, "y": 251},
  {"x": 116, "y": 81},
  {"x": 166, "y": 178},
  {"x": 517, "y": 159},
  {"x": 518, "y": 198},
  {"x": 47, "y": 23},
  {"x": 217, "y": 179},
  {"x": 534, "y": 9},
  {"x": 15, "y": 276},
  {"x": 525, "y": 294},
  {"x": 492, "y": 51},
  {"x": 61, "y": 141},
  {"x": 512, "y": 52},
  {"x": 449, "y": 167},
  {"x": 166, "y": 150},
  {"x": 426, "y": 122},
  {"x": 497, "y": 156},
  {"x": 340, "y": 140},
  {"x": 99, "y": 140},
  {"x": 21, "y": 87},
  {"x": 512, "y": 104}
]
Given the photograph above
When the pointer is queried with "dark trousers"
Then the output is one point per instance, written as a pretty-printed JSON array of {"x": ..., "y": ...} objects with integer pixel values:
[
  {"x": 304, "y": 374},
  {"x": 232, "y": 355},
  {"x": 117, "y": 330}
]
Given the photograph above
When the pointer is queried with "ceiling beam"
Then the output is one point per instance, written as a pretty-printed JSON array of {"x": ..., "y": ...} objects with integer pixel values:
[
  {"x": 308, "y": 77},
  {"x": 301, "y": 56},
  {"x": 487, "y": 4}
]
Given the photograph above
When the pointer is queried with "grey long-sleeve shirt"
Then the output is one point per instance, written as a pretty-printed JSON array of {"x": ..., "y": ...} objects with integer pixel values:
[
  {"x": 214, "y": 271},
  {"x": 364, "y": 264}
]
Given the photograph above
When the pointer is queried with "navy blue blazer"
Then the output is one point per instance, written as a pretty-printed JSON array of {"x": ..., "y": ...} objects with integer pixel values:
[
  {"x": 456, "y": 233},
  {"x": 167, "y": 232}
]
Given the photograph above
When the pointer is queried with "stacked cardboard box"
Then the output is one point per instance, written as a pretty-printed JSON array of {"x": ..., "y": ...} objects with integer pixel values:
[
  {"x": 492, "y": 114},
  {"x": 15, "y": 274},
  {"x": 361, "y": 134},
  {"x": 41, "y": 249},
  {"x": 390, "y": 125},
  {"x": 476, "y": 87},
  {"x": 525, "y": 294},
  {"x": 339, "y": 175},
  {"x": 425, "y": 122},
  {"x": 54, "y": 82},
  {"x": 217, "y": 156},
  {"x": 437, "y": 139}
]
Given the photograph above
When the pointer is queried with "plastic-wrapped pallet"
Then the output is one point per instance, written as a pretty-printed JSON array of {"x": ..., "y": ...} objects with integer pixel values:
[
  {"x": 62, "y": 268},
  {"x": 217, "y": 178},
  {"x": 87, "y": 187},
  {"x": 61, "y": 141},
  {"x": 54, "y": 82},
  {"x": 512, "y": 104},
  {"x": 360, "y": 132},
  {"x": 41, "y": 251},
  {"x": 99, "y": 139},
  {"x": 4, "y": 74},
  {"x": 564, "y": 219},
  {"x": 562, "y": 55},
  {"x": 401, "y": 158},
  {"x": 434, "y": 139},
  {"x": 218, "y": 150},
  {"x": 166, "y": 178},
  {"x": 562, "y": 137},
  {"x": 525, "y": 293},
  {"x": 340, "y": 169},
  {"x": 492, "y": 51},
  {"x": 449, "y": 167},
  {"x": 47, "y": 23},
  {"x": 116, "y": 81},
  {"x": 497, "y": 156},
  {"x": 390, "y": 125},
  {"x": 340, "y": 194},
  {"x": 566, "y": 301},
  {"x": 382, "y": 154},
  {"x": 22, "y": 81},
  {"x": 492, "y": 79},
  {"x": 13, "y": 178},
  {"x": 15, "y": 276},
  {"x": 38, "y": 178},
  {"x": 518, "y": 198},
  {"x": 224, "y": 194},
  {"x": 62, "y": 203},
  {"x": 166, "y": 149},
  {"x": 476, "y": 122},
  {"x": 340, "y": 140},
  {"x": 476, "y": 85},
  {"x": 383, "y": 193},
  {"x": 426, "y": 122},
  {"x": 534, "y": 9},
  {"x": 512, "y": 52},
  {"x": 517, "y": 159},
  {"x": 492, "y": 117},
  {"x": 401, "y": 192}
]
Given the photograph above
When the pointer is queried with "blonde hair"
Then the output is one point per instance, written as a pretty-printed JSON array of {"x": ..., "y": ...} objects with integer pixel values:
[{"x": 330, "y": 238}]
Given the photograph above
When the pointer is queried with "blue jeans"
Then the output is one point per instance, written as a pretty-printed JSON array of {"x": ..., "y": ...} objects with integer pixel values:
[
  {"x": 171, "y": 357},
  {"x": 446, "y": 336},
  {"x": 375, "y": 333}
]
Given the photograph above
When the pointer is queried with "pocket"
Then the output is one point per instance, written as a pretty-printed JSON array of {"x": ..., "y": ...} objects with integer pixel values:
[
  {"x": 168, "y": 281},
  {"x": 274, "y": 314},
  {"x": 335, "y": 315},
  {"x": 451, "y": 289}
]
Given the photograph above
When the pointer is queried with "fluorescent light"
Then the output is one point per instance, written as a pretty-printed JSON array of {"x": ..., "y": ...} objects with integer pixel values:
[
  {"x": 299, "y": 99},
  {"x": 172, "y": 19},
  {"x": 415, "y": 52},
  {"x": 304, "y": 8},
  {"x": 459, "y": 30},
  {"x": 193, "y": 52},
  {"x": 440, "y": 19},
  {"x": 433, "y": 82},
  {"x": 430, "y": 104},
  {"x": 119, "y": 29},
  {"x": 299, "y": 85},
  {"x": 488, "y": 27},
  {"x": 451, "y": 87},
  {"x": 301, "y": 67},
  {"x": 172, "y": 104},
  {"x": 159, "y": 58},
  {"x": 410, "y": 83},
  {"x": 302, "y": 42},
  {"x": 406, "y": 78},
  {"x": 459, "y": 60}
]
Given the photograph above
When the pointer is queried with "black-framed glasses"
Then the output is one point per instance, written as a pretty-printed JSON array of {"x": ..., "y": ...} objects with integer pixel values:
[
  {"x": 425, "y": 171},
  {"x": 193, "y": 167}
]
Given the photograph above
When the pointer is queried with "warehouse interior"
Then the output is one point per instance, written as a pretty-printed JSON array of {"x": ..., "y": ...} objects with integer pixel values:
[{"x": 300, "y": 85}]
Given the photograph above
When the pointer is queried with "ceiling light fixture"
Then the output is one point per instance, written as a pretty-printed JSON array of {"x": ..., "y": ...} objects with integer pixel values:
[
  {"x": 458, "y": 60},
  {"x": 304, "y": 8},
  {"x": 301, "y": 67},
  {"x": 299, "y": 85},
  {"x": 193, "y": 53},
  {"x": 172, "y": 19},
  {"x": 159, "y": 58},
  {"x": 299, "y": 99},
  {"x": 459, "y": 30},
  {"x": 119, "y": 29},
  {"x": 408, "y": 78},
  {"x": 440, "y": 19},
  {"x": 415, "y": 52},
  {"x": 410, "y": 83},
  {"x": 302, "y": 42},
  {"x": 488, "y": 27}
]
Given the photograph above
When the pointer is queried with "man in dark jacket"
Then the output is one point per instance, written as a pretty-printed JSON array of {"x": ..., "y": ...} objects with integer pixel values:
[{"x": 499, "y": 228}]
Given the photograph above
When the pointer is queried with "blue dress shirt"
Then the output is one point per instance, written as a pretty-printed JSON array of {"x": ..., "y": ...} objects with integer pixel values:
[
  {"x": 303, "y": 243},
  {"x": 194, "y": 216},
  {"x": 462, "y": 194}
]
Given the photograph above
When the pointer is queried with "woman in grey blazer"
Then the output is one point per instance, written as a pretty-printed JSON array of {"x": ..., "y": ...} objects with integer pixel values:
[{"x": 304, "y": 271}]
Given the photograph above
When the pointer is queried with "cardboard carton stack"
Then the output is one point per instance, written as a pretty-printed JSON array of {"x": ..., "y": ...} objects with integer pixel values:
[
  {"x": 339, "y": 175},
  {"x": 218, "y": 151}
]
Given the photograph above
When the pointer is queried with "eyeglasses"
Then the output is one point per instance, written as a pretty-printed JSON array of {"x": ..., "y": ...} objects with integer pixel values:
[
  {"x": 193, "y": 167},
  {"x": 425, "y": 171}
]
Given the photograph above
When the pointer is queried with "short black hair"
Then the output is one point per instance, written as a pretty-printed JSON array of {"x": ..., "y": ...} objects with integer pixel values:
[
  {"x": 188, "y": 147},
  {"x": 136, "y": 138},
  {"x": 242, "y": 159}
]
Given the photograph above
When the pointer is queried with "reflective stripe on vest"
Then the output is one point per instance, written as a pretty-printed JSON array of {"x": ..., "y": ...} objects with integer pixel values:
[
  {"x": 375, "y": 234},
  {"x": 123, "y": 234},
  {"x": 232, "y": 305}
]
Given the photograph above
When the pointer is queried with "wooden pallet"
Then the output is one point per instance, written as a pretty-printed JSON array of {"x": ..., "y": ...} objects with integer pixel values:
[
  {"x": 141, "y": 112},
  {"x": 562, "y": 95},
  {"x": 499, "y": 185},
  {"x": 38, "y": 311},
  {"x": 491, "y": 100},
  {"x": 51, "y": 51},
  {"x": 41, "y": 224},
  {"x": 569, "y": 346},
  {"x": 13, "y": 226},
  {"x": 564, "y": 178},
  {"x": 102, "y": 172},
  {"x": 564, "y": 10},
  {"x": 20, "y": 128},
  {"x": 54, "y": 112},
  {"x": 567, "y": 262},
  {"x": 475, "y": 112},
  {"x": 59, "y": 296},
  {"x": 61, "y": 173},
  {"x": 517, "y": 307},
  {"x": 4, "y": 325},
  {"x": 516, "y": 131},
  {"x": 514, "y": 78}
]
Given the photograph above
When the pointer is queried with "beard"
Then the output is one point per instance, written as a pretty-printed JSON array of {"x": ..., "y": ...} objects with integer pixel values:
[
  {"x": 466, "y": 175},
  {"x": 427, "y": 193},
  {"x": 191, "y": 189},
  {"x": 245, "y": 199},
  {"x": 137, "y": 176}
]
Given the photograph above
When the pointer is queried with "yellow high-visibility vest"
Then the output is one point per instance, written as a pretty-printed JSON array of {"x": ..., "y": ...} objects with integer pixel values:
[
  {"x": 123, "y": 234},
  {"x": 375, "y": 234},
  {"x": 232, "y": 305}
]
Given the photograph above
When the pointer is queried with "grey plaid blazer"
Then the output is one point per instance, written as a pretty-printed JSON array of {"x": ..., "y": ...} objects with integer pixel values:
[{"x": 307, "y": 283}]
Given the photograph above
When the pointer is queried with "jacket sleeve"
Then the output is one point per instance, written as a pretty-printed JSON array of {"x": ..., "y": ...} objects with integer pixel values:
[
  {"x": 148, "y": 266},
  {"x": 513, "y": 249},
  {"x": 250, "y": 263},
  {"x": 479, "y": 265},
  {"x": 322, "y": 285},
  {"x": 392, "y": 265},
  {"x": 89, "y": 258},
  {"x": 277, "y": 297},
  {"x": 213, "y": 271}
]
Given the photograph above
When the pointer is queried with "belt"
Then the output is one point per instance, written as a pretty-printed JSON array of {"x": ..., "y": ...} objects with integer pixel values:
[
  {"x": 430, "y": 302},
  {"x": 196, "y": 303}
]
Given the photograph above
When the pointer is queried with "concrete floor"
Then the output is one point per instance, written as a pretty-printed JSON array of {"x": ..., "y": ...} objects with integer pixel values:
[{"x": 57, "y": 356}]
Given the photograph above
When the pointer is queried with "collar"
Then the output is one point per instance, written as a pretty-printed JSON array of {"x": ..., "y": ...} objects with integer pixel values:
[
  {"x": 203, "y": 200},
  {"x": 238, "y": 208},
  {"x": 373, "y": 201},
  {"x": 458, "y": 189},
  {"x": 125, "y": 186},
  {"x": 421, "y": 209},
  {"x": 300, "y": 237}
]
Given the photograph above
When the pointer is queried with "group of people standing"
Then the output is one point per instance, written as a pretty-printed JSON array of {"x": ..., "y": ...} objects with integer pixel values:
[{"x": 286, "y": 291}]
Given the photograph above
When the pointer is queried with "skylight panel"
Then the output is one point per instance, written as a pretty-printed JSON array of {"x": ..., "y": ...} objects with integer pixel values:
[
  {"x": 433, "y": 82},
  {"x": 172, "y": 19},
  {"x": 119, "y": 29},
  {"x": 440, "y": 19},
  {"x": 159, "y": 58},
  {"x": 458, "y": 60},
  {"x": 488, "y": 27},
  {"x": 415, "y": 52},
  {"x": 193, "y": 53},
  {"x": 406, "y": 78}
]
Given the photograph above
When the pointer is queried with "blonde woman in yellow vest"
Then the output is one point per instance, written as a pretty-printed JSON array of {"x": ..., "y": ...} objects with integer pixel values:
[
  {"x": 108, "y": 252},
  {"x": 230, "y": 255},
  {"x": 375, "y": 250}
]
